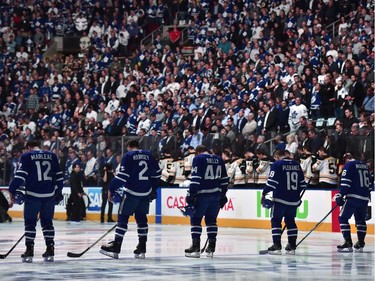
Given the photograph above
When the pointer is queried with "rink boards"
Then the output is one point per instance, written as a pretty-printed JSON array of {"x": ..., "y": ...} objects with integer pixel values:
[{"x": 242, "y": 210}]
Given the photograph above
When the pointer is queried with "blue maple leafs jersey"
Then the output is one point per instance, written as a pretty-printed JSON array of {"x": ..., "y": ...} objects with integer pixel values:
[
  {"x": 39, "y": 172},
  {"x": 139, "y": 173},
  {"x": 286, "y": 180},
  {"x": 208, "y": 175},
  {"x": 356, "y": 180}
]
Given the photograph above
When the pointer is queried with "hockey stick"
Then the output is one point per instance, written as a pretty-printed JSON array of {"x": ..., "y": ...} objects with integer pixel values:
[
  {"x": 264, "y": 252},
  {"x": 11, "y": 249},
  {"x": 77, "y": 255},
  {"x": 182, "y": 209},
  {"x": 316, "y": 226},
  {"x": 204, "y": 247}
]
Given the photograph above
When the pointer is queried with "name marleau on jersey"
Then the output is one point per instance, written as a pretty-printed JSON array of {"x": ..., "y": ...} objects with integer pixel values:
[
  {"x": 361, "y": 166},
  {"x": 41, "y": 156}
]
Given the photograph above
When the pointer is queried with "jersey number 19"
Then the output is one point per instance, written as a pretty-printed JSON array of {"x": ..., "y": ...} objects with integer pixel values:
[{"x": 291, "y": 180}]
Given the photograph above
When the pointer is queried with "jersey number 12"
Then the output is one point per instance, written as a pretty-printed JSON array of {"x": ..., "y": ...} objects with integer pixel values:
[{"x": 43, "y": 176}]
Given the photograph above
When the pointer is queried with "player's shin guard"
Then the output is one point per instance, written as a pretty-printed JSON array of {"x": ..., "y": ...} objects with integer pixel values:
[
  {"x": 212, "y": 234},
  {"x": 212, "y": 231},
  {"x": 49, "y": 234},
  {"x": 361, "y": 234},
  {"x": 195, "y": 249},
  {"x": 347, "y": 245},
  {"x": 275, "y": 249},
  {"x": 292, "y": 241},
  {"x": 142, "y": 229}
]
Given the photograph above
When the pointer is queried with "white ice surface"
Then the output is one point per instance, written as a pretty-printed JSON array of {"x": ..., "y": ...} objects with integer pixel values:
[{"x": 236, "y": 256}]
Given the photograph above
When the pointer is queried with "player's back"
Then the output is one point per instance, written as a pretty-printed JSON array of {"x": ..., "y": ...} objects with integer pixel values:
[
  {"x": 139, "y": 166},
  {"x": 356, "y": 179},
  {"x": 209, "y": 174},
  {"x": 43, "y": 172},
  {"x": 290, "y": 181}
]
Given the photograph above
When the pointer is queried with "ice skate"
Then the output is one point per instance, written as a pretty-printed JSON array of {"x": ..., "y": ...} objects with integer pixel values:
[
  {"x": 290, "y": 249},
  {"x": 195, "y": 249},
  {"x": 28, "y": 255},
  {"x": 49, "y": 253},
  {"x": 346, "y": 246},
  {"x": 139, "y": 252},
  {"x": 111, "y": 250},
  {"x": 211, "y": 248},
  {"x": 358, "y": 247},
  {"x": 275, "y": 249}
]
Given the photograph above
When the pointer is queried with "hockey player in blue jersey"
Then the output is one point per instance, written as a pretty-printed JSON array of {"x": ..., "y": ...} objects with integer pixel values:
[
  {"x": 286, "y": 181},
  {"x": 354, "y": 196},
  {"x": 209, "y": 184},
  {"x": 40, "y": 176},
  {"x": 134, "y": 187}
]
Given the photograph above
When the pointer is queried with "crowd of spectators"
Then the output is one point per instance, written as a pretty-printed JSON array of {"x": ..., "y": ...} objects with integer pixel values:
[{"x": 260, "y": 70}]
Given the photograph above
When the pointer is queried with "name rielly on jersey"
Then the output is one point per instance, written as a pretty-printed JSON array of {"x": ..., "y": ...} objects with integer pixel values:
[
  {"x": 41, "y": 156},
  {"x": 212, "y": 161}
]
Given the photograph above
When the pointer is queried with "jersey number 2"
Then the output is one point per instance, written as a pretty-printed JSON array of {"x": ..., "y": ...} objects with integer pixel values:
[{"x": 143, "y": 171}]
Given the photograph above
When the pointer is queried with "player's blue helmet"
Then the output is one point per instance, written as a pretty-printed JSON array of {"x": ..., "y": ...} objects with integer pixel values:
[
  {"x": 19, "y": 197},
  {"x": 267, "y": 203}
]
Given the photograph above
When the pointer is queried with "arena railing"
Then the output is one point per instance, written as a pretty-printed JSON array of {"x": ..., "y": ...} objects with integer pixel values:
[{"x": 361, "y": 146}]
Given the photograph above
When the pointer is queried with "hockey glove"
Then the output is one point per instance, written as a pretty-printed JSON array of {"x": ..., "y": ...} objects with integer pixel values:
[
  {"x": 116, "y": 197},
  {"x": 19, "y": 197},
  {"x": 190, "y": 199},
  {"x": 58, "y": 198},
  {"x": 339, "y": 199},
  {"x": 266, "y": 202},
  {"x": 170, "y": 179},
  {"x": 223, "y": 201},
  {"x": 188, "y": 211}
]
